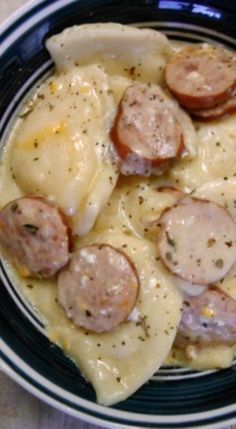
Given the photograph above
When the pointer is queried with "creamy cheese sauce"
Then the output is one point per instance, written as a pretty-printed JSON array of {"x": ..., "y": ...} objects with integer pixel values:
[{"x": 37, "y": 159}]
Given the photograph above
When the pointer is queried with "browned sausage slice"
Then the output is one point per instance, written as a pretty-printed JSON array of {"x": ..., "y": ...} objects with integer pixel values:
[
  {"x": 201, "y": 76},
  {"x": 146, "y": 131},
  {"x": 217, "y": 112},
  {"x": 207, "y": 319},
  {"x": 99, "y": 288},
  {"x": 197, "y": 240},
  {"x": 35, "y": 235}
]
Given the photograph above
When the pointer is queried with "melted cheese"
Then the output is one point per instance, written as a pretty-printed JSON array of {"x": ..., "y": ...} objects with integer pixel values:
[
  {"x": 216, "y": 157},
  {"x": 216, "y": 357}
]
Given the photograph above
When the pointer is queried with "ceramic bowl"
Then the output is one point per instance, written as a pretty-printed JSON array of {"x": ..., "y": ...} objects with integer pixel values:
[{"x": 173, "y": 398}]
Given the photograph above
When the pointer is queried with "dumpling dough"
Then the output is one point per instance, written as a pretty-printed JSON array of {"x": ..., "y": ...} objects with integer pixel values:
[
  {"x": 216, "y": 155},
  {"x": 222, "y": 192},
  {"x": 135, "y": 207},
  {"x": 62, "y": 147},
  {"x": 127, "y": 53},
  {"x": 117, "y": 363},
  {"x": 126, "y": 50},
  {"x": 129, "y": 355}
]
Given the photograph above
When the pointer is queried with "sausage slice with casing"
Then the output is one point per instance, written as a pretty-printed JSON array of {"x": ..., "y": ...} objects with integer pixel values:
[
  {"x": 197, "y": 240},
  {"x": 35, "y": 236},
  {"x": 99, "y": 287},
  {"x": 201, "y": 76},
  {"x": 146, "y": 132},
  {"x": 207, "y": 319},
  {"x": 217, "y": 112}
]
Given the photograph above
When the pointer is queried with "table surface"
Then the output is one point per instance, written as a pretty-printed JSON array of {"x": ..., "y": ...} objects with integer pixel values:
[{"x": 30, "y": 412}]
